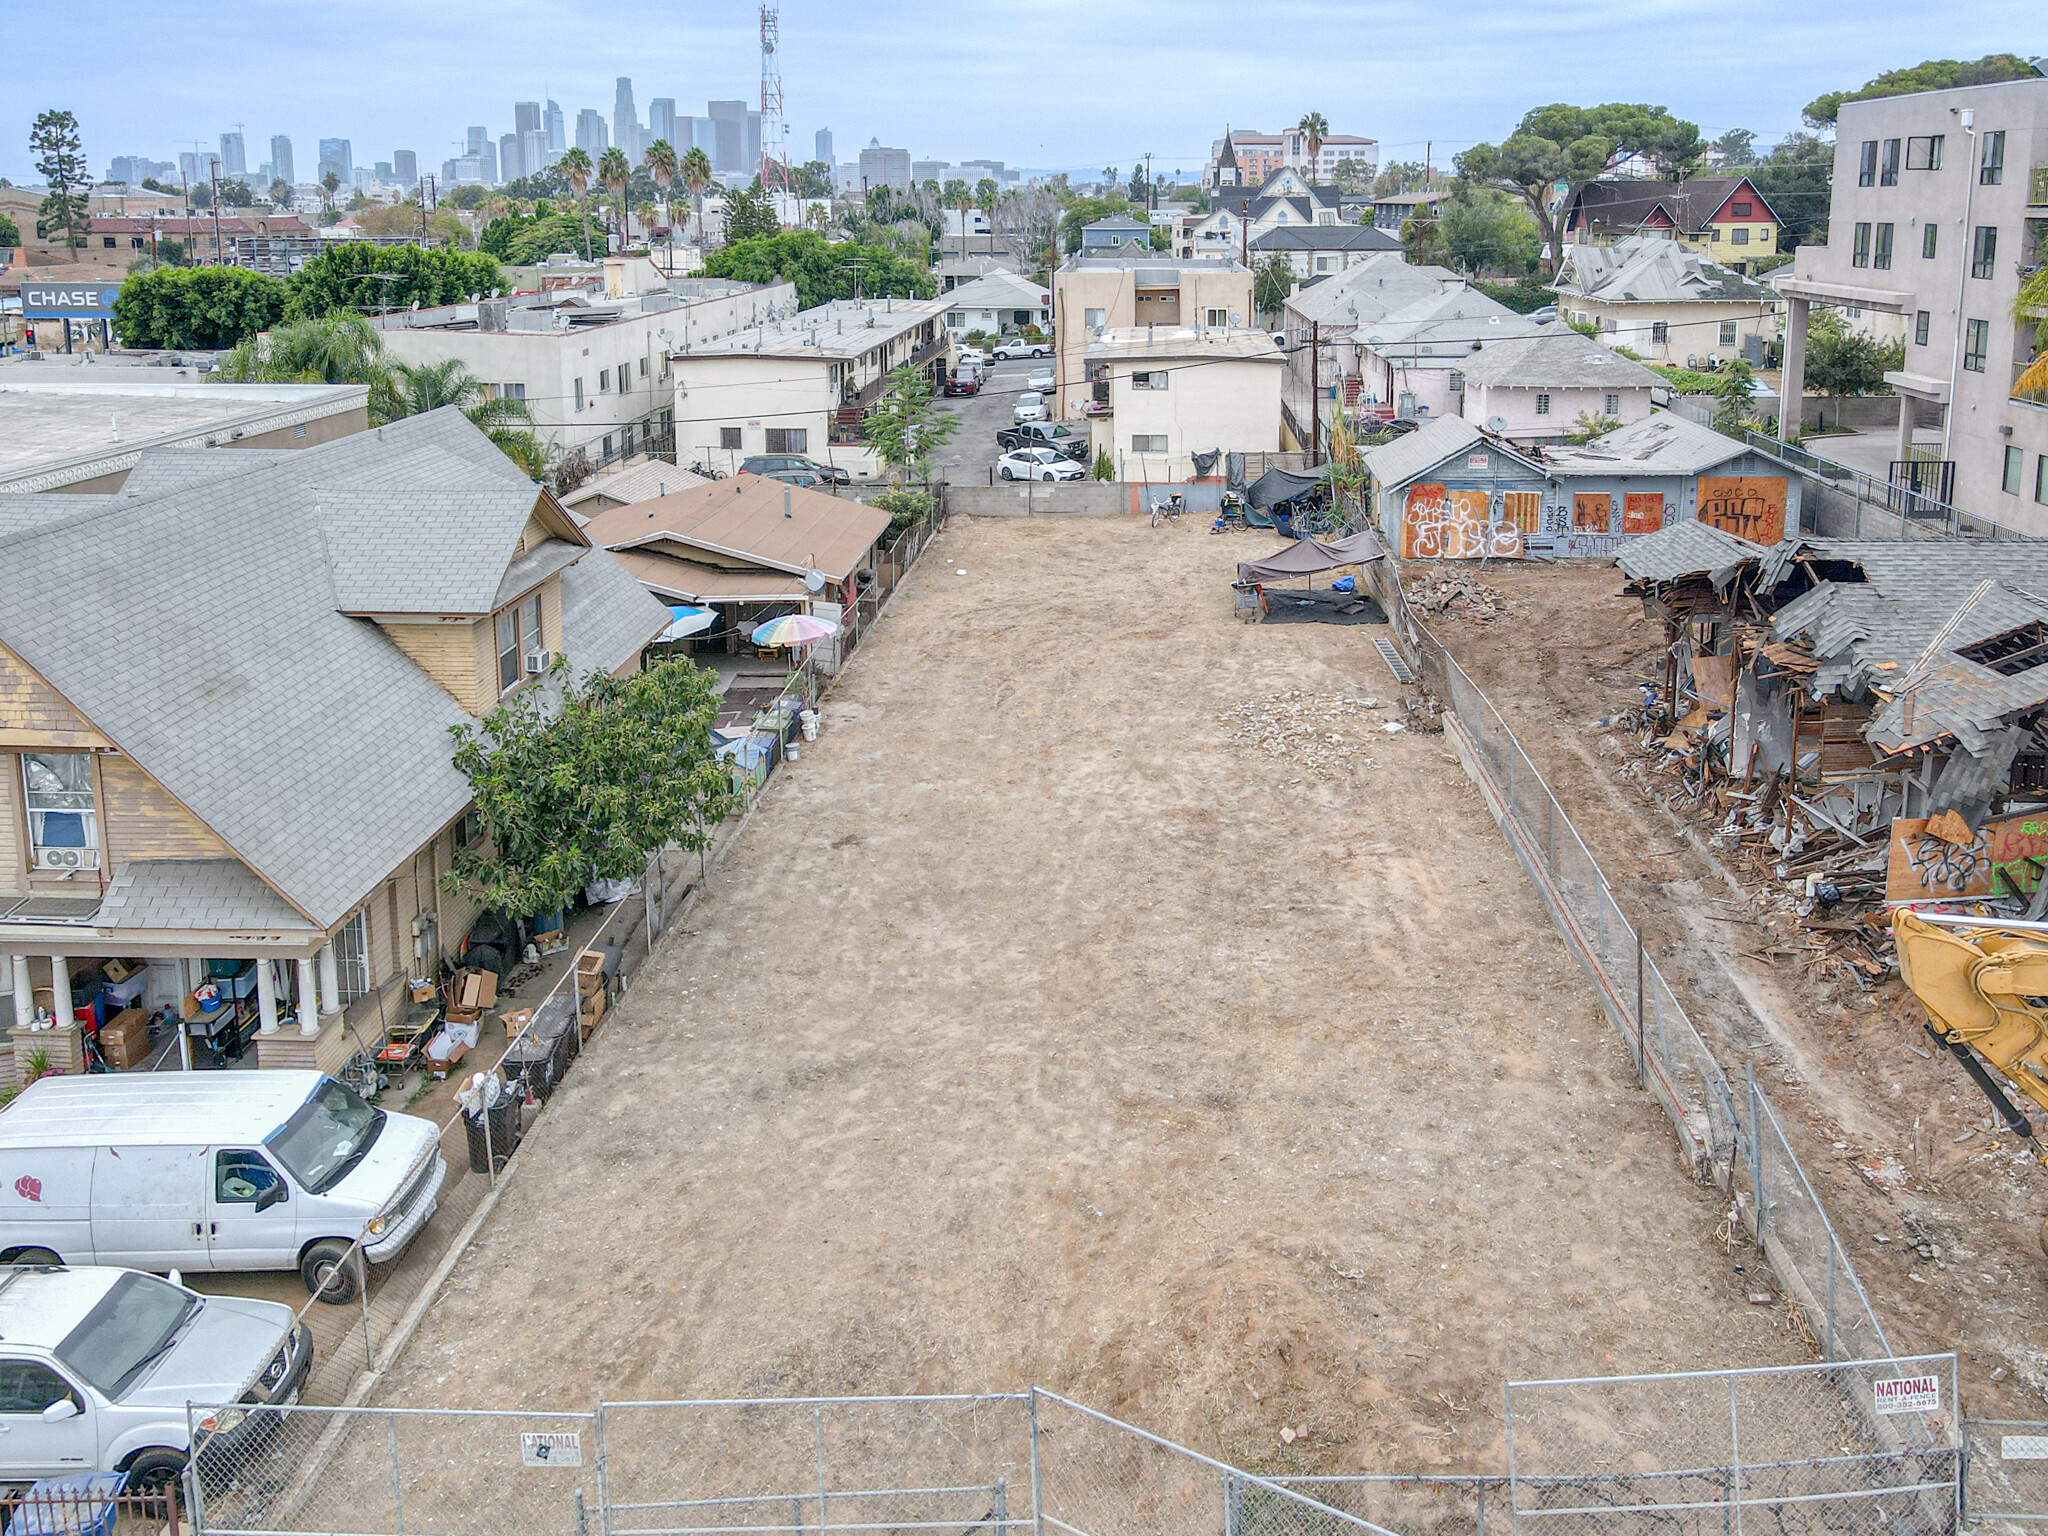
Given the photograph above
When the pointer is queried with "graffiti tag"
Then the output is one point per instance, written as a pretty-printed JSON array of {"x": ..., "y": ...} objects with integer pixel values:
[
  {"x": 1749, "y": 506},
  {"x": 29, "y": 1188}
]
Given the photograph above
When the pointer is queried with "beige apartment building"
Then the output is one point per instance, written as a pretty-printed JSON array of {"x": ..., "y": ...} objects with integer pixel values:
[
  {"x": 1092, "y": 294},
  {"x": 1939, "y": 212}
]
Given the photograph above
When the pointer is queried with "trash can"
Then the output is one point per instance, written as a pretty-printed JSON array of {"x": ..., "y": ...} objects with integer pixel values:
[{"x": 504, "y": 1135}]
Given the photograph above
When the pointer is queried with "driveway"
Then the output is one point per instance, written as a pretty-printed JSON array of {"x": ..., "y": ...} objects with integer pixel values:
[{"x": 970, "y": 457}]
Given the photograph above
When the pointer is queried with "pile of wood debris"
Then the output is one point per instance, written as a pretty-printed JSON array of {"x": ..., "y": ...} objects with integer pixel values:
[
  {"x": 1320, "y": 734},
  {"x": 1453, "y": 594}
]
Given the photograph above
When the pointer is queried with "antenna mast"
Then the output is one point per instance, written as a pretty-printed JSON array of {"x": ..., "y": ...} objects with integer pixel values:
[{"x": 774, "y": 130}]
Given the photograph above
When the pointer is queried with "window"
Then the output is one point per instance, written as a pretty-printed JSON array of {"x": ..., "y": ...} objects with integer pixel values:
[
  {"x": 1859, "y": 253},
  {"x": 1156, "y": 379},
  {"x": 1152, "y": 442},
  {"x": 1612, "y": 405},
  {"x": 1739, "y": 235},
  {"x": 239, "y": 1177},
  {"x": 352, "y": 953},
  {"x": 729, "y": 437},
  {"x": 1991, "y": 169},
  {"x": 1888, "y": 171},
  {"x": 469, "y": 828},
  {"x": 61, "y": 813},
  {"x": 1881, "y": 255},
  {"x": 1976, "y": 342},
  {"x": 1930, "y": 237},
  {"x": 1216, "y": 316},
  {"x": 1543, "y": 405},
  {"x": 1094, "y": 319},
  {"x": 29, "y": 1386},
  {"x": 508, "y": 650},
  {"x": 1713, "y": 235},
  {"x": 1924, "y": 154},
  {"x": 789, "y": 439},
  {"x": 2015, "y": 463},
  {"x": 604, "y": 381},
  {"x": 1660, "y": 332},
  {"x": 579, "y": 394},
  {"x": 108, "y": 242},
  {"x": 2041, "y": 478},
  {"x": 643, "y": 367},
  {"x": 1322, "y": 263},
  {"x": 1725, "y": 336},
  {"x": 1921, "y": 321},
  {"x": 1741, "y": 210},
  {"x": 607, "y": 445},
  {"x": 957, "y": 319},
  {"x": 1984, "y": 250},
  {"x": 512, "y": 391},
  {"x": 1866, "y": 169}
]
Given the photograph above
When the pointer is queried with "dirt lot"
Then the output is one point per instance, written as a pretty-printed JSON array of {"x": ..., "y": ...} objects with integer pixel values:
[
  {"x": 1939, "y": 1215},
  {"x": 1042, "y": 1027}
]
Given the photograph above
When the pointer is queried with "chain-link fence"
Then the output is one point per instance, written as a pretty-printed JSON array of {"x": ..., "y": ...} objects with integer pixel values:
[
  {"x": 2005, "y": 1471},
  {"x": 1869, "y": 1446},
  {"x": 1416, "y": 1504}
]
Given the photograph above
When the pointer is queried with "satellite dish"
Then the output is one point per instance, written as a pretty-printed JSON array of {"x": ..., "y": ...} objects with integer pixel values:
[
  {"x": 1496, "y": 423},
  {"x": 1236, "y": 319},
  {"x": 814, "y": 581}
]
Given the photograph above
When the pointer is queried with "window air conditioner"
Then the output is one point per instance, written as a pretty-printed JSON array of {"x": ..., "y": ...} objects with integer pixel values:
[
  {"x": 67, "y": 858},
  {"x": 538, "y": 662}
]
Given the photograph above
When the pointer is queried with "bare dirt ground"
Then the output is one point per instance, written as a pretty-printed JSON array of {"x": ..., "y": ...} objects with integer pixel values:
[
  {"x": 1939, "y": 1215},
  {"x": 1042, "y": 1028}
]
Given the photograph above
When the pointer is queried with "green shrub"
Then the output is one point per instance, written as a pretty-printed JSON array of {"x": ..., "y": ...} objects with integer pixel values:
[{"x": 904, "y": 506}]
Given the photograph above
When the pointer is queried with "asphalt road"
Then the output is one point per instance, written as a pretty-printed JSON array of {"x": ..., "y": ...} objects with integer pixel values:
[{"x": 971, "y": 455}]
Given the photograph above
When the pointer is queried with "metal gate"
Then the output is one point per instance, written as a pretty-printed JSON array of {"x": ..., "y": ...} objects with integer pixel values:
[{"x": 2005, "y": 1471}]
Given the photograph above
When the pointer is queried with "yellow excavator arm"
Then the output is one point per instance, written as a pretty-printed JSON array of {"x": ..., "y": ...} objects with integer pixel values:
[{"x": 1985, "y": 988}]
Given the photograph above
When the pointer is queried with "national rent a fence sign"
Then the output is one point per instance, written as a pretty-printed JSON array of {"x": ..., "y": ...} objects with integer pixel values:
[
  {"x": 68, "y": 301},
  {"x": 1907, "y": 1394}
]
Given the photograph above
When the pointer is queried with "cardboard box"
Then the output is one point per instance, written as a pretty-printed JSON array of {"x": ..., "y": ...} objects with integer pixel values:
[
  {"x": 472, "y": 996},
  {"x": 594, "y": 1008},
  {"x": 118, "y": 971},
  {"x": 422, "y": 991},
  {"x": 124, "y": 1039},
  {"x": 590, "y": 964}
]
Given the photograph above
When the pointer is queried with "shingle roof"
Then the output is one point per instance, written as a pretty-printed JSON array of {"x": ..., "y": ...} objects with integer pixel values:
[
  {"x": 1662, "y": 443},
  {"x": 1627, "y": 204},
  {"x": 1370, "y": 291},
  {"x": 1556, "y": 358},
  {"x": 1686, "y": 549},
  {"x": 999, "y": 290},
  {"x": 1396, "y": 463},
  {"x": 641, "y": 482},
  {"x": 157, "y": 894},
  {"x": 1648, "y": 270},
  {"x": 743, "y": 519},
  {"x": 1326, "y": 237}
]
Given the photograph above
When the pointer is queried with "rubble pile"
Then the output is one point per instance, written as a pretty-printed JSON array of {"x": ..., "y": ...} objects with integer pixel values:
[
  {"x": 1318, "y": 733},
  {"x": 1453, "y": 594}
]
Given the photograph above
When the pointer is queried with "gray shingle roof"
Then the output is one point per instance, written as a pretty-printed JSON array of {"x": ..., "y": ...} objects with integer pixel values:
[
  {"x": 1396, "y": 463},
  {"x": 1327, "y": 237},
  {"x": 147, "y": 894},
  {"x": 1662, "y": 443},
  {"x": 1686, "y": 549},
  {"x": 1557, "y": 358},
  {"x": 1369, "y": 291},
  {"x": 1647, "y": 270}
]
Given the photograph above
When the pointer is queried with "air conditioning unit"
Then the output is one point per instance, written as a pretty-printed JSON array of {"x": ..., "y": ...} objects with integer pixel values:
[
  {"x": 538, "y": 662},
  {"x": 67, "y": 858}
]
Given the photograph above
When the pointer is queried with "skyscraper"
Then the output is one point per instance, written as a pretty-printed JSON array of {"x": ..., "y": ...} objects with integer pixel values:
[
  {"x": 661, "y": 123},
  {"x": 477, "y": 139},
  {"x": 730, "y": 120},
  {"x": 558, "y": 138},
  {"x": 232, "y": 161},
  {"x": 405, "y": 167},
  {"x": 281, "y": 159},
  {"x": 704, "y": 136},
  {"x": 824, "y": 145},
  {"x": 626, "y": 120},
  {"x": 534, "y": 155},
  {"x": 525, "y": 116},
  {"x": 486, "y": 158},
  {"x": 511, "y": 157},
  {"x": 751, "y": 149},
  {"x": 197, "y": 168},
  {"x": 337, "y": 156},
  {"x": 590, "y": 133}
]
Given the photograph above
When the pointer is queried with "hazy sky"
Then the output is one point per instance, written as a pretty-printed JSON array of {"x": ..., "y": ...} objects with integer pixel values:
[{"x": 1041, "y": 83}]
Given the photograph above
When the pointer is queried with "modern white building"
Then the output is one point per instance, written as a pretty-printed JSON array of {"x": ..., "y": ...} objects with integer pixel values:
[
  {"x": 1178, "y": 390},
  {"x": 998, "y": 305}
]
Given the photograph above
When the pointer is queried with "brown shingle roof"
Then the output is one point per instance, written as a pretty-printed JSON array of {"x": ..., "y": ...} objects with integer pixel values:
[{"x": 741, "y": 521}]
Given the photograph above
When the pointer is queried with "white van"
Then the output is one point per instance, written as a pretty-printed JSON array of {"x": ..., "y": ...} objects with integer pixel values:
[{"x": 201, "y": 1171}]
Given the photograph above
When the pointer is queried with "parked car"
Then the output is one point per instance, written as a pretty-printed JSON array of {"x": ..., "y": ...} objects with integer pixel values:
[
  {"x": 1041, "y": 379},
  {"x": 809, "y": 479},
  {"x": 966, "y": 352},
  {"x": 1016, "y": 347},
  {"x": 1038, "y": 464},
  {"x": 1056, "y": 435},
  {"x": 771, "y": 463},
  {"x": 1544, "y": 315},
  {"x": 1030, "y": 407},
  {"x": 101, "y": 1363},
  {"x": 963, "y": 379},
  {"x": 213, "y": 1170}
]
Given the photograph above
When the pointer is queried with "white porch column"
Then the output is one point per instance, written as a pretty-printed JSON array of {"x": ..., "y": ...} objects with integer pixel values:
[
  {"x": 309, "y": 998},
  {"x": 1792, "y": 387},
  {"x": 60, "y": 990},
  {"x": 1905, "y": 439},
  {"x": 24, "y": 995},
  {"x": 266, "y": 998},
  {"x": 330, "y": 980}
]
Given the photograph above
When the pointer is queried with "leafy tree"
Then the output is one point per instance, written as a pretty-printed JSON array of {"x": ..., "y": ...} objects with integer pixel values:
[
  {"x": 60, "y": 161},
  {"x": 535, "y": 185},
  {"x": 201, "y": 196},
  {"x": 662, "y": 165},
  {"x": 1396, "y": 177},
  {"x": 1422, "y": 236},
  {"x": 1272, "y": 282},
  {"x": 1574, "y": 145},
  {"x": 1591, "y": 425},
  {"x": 280, "y": 193},
  {"x": 622, "y": 766},
  {"x": 1931, "y": 75},
  {"x": 423, "y": 387},
  {"x": 1315, "y": 128},
  {"x": 904, "y": 506},
  {"x": 339, "y": 348},
  {"x": 1522, "y": 296},
  {"x": 577, "y": 170},
  {"x": 524, "y": 239},
  {"x": 906, "y": 427},
  {"x": 1086, "y": 210},
  {"x": 616, "y": 172},
  {"x": 171, "y": 253},
  {"x": 1102, "y": 468},
  {"x": 1353, "y": 176},
  {"x": 1486, "y": 232},
  {"x": 696, "y": 174},
  {"x": 1737, "y": 408},
  {"x": 236, "y": 194},
  {"x": 821, "y": 270},
  {"x": 436, "y": 228},
  {"x": 1795, "y": 179},
  {"x": 985, "y": 195},
  {"x": 468, "y": 197},
  {"x": 749, "y": 216},
  {"x": 196, "y": 307},
  {"x": 1736, "y": 147},
  {"x": 812, "y": 179},
  {"x": 10, "y": 232},
  {"x": 1840, "y": 361},
  {"x": 362, "y": 278}
]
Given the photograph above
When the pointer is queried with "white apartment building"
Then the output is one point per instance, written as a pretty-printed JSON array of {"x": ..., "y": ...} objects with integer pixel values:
[
  {"x": 591, "y": 356},
  {"x": 1178, "y": 390},
  {"x": 1095, "y": 293},
  {"x": 1938, "y": 213}
]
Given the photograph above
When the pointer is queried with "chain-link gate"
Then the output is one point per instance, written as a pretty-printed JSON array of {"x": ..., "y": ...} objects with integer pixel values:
[
  {"x": 1857, "y": 1446},
  {"x": 393, "y": 1472},
  {"x": 2005, "y": 1471}
]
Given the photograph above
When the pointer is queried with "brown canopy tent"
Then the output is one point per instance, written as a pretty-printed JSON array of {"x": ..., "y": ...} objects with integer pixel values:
[{"x": 1307, "y": 557}]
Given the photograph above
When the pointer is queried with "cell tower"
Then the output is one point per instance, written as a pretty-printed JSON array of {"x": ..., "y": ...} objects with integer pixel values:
[{"x": 774, "y": 131}]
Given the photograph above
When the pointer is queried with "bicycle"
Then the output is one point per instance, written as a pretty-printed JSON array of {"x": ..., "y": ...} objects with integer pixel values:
[
  {"x": 707, "y": 471},
  {"x": 1168, "y": 510}
]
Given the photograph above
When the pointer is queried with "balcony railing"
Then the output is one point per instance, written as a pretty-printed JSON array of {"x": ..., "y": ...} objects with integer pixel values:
[
  {"x": 2037, "y": 187},
  {"x": 2037, "y": 394}
]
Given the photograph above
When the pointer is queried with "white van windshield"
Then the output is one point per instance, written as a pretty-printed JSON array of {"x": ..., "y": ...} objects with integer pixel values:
[
  {"x": 134, "y": 1324},
  {"x": 325, "y": 1137}
]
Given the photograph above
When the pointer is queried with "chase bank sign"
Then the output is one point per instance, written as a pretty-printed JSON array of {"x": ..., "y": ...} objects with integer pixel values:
[{"x": 68, "y": 301}]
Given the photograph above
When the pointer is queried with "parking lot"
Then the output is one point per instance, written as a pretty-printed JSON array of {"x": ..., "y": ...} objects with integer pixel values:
[{"x": 969, "y": 459}]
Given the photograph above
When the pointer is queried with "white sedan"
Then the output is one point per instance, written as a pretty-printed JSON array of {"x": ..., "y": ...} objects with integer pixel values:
[
  {"x": 1041, "y": 379},
  {"x": 1038, "y": 464},
  {"x": 1030, "y": 407},
  {"x": 1016, "y": 346}
]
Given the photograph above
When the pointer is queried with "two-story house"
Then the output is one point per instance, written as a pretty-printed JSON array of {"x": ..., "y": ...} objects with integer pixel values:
[
  {"x": 1724, "y": 218},
  {"x": 1665, "y": 302},
  {"x": 226, "y": 697}
]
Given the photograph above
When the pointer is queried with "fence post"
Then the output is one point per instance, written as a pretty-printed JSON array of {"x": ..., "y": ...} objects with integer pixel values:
[
  {"x": 195, "y": 1501},
  {"x": 490, "y": 1156},
  {"x": 1482, "y": 1507},
  {"x": 1641, "y": 1075},
  {"x": 363, "y": 1294},
  {"x": 1756, "y": 1154},
  {"x": 818, "y": 1436},
  {"x": 604, "y": 1471},
  {"x": 1233, "y": 1504},
  {"x": 1002, "y": 1508},
  {"x": 1830, "y": 1341},
  {"x": 650, "y": 897},
  {"x": 397, "y": 1481},
  {"x": 1037, "y": 1485},
  {"x": 1734, "y": 1454}
]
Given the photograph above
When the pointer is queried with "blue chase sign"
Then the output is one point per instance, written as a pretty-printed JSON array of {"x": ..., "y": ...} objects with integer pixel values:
[{"x": 68, "y": 301}]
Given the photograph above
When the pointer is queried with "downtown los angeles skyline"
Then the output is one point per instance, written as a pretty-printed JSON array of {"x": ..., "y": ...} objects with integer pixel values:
[{"x": 1045, "y": 86}]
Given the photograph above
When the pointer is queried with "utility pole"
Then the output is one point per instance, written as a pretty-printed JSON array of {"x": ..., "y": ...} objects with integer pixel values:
[
  {"x": 219, "y": 260},
  {"x": 1149, "y": 199},
  {"x": 1315, "y": 404}
]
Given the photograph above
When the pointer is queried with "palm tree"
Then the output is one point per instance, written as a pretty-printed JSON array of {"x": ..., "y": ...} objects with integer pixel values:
[
  {"x": 660, "y": 164},
  {"x": 695, "y": 169},
  {"x": 616, "y": 172},
  {"x": 576, "y": 170},
  {"x": 340, "y": 348},
  {"x": 423, "y": 387},
  {"x": 985, "y": 195},
  {"x": 1315, "y": 128}
]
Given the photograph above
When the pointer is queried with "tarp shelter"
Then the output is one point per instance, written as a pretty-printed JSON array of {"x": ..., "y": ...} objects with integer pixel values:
[
  {"x": 1308, "y": 557},
  {"x": 1278, "y": 485}
]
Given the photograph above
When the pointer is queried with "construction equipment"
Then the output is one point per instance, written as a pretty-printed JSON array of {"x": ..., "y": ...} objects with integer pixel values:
[{"x": 1984, "y": 984}]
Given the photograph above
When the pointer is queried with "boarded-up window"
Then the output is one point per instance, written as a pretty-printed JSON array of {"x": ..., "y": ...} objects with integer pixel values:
[
  {"x": 1749, "y": 506},
  {"x": 1590, "y": 513},
  {"x": 1522, "y": 508},
  {"x": 1642, "y": 512}
]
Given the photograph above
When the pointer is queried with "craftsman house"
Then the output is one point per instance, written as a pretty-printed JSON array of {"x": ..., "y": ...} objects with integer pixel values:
[
  {"x": 1667, "y": 304},
  {"x": 226, "y": 692},
  {"x": 1723, "y": 218}
]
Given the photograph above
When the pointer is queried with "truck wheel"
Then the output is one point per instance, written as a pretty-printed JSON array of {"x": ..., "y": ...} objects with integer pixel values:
[
  {"x": 36, "y": 1256},
  {"x": 330, "y": 1274},
  {"x": 154, "y": 1470}
]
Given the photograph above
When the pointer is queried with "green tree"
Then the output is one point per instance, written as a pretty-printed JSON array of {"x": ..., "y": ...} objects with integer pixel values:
[
  {"x": 577, "y": 170},
  {"x": 1574, "y": 145},
  {"x": 196, "y": 308},
  {"x": 622, "y": 766},
  {"x": 985, "y": 195},
  {"x": 616, "y": 172},
  {"x": 696, "y": 174},
  {"x": 1794, "y": 178},
  {"x": 1272, "y": 282},
  {"x": 60, "y": 161},
  {"x": 361, "y": 278},
  {"x": 904, "y": 506},
  {"x": 1316, "y": 129},
  {"x": 1737, "y": 408},
  {"x": 906, "y": 427},
  {"x": 1840, "y": 361},
  {"x": 280, "y": 193},
  {"x": 527, "y": 241},
  {"x": 1591, "y": 425},
  {"x": 236, "y": 194},
  {"x": 1352, "y": 176},
  {"x": 1930, "y": 75},
  {"x": 10, "y": 232},
  {"x": 1422, "y": 236},
  {"x": 822, "y": 270},
  {"x": 813, "y": 179},
  {"x": 1736, "y": 147},
  {"x": 749, "y": 216},
  {"x": 1396, "y": 177},
  {"x": 662, "y": 166},
  {"x": 1086, "y": 210},
  {"x": 1487, "y": 232},
  {"x": 336, "y": 349},
  {"x": 423, "y": 387},
  {"x": 330, "y": 183},
  {"x": 1522, "y": 296}
]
